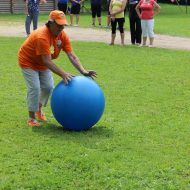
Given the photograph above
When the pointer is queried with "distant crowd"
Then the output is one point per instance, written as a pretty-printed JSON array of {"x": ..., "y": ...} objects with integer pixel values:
[{"x": 141, "y": 16}]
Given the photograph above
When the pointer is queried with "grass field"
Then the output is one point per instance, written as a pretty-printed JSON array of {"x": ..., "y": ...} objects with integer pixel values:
[
  {"x": 172, "y": 20},
  {"x": 141, "y": 142}
]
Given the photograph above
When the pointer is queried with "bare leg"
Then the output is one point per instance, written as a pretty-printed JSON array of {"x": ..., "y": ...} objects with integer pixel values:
[
  {"x": 99, "y": 20},
  {"x": 151, "y": 41},
  {"x": 112, "y": 39},
  {"x": 77, "y": 19},
  {"x": 108, "y": 20},
  {"x": 144, "y": 41},
  {"x": 122, "y": 38},
  {"x": 31, "y": 115},
  {"x": 71, "y": 19},
  {"x": 40, "y": 107},
  {"x": 93, "y": 21}
]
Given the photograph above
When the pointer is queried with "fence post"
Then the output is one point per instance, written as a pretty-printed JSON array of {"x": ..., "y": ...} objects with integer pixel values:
[
  {"x": 55, "y": 4},
  {"x": 12, "y": 6}
]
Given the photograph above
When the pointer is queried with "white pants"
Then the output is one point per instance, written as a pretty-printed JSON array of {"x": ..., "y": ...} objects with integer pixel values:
[
  {"x": 39, "y": 85},
  {"x": 147, "y": 28}
]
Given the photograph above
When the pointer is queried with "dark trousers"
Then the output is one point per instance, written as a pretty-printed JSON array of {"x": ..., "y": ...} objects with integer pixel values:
[
  {"x": 135, "y": 29},
  {"x": 62, "y": 7},
  {"x": 135, "y": 25},
  {"x": 32, "y": 16}
]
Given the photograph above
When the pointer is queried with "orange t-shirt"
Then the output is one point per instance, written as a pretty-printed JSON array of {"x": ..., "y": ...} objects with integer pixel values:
[{"x": 40, "y": 43}]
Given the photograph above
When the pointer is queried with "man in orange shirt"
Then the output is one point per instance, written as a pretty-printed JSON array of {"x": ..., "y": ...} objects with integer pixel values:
[{"x": 35, "y": 59}]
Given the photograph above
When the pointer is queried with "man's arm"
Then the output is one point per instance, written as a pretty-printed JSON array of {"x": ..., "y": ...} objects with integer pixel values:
[
  {"x": 157, "y": 8},
  {"x": 138, "y": 10},
  {"x": 110, "y": 6},
  {"x": 57, "y": 70},
  {"x": 76, "y": 63},
  {"x": 43, "y": 1}
]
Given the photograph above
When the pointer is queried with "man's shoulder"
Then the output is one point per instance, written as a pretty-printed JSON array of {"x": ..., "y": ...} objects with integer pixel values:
[{"x": 43, "y": 33}]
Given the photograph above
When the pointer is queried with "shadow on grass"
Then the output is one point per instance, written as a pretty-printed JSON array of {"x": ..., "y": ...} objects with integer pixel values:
[{"x": 59, "y": 131}]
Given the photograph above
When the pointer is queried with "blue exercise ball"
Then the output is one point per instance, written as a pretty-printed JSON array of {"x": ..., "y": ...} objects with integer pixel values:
[{"x": 78, "y": 105}]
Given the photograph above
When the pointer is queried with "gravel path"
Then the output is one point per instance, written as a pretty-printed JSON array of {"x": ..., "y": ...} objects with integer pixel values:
[{"x": 101, "y": 35}]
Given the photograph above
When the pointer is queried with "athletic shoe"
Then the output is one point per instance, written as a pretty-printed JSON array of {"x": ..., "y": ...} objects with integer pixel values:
[
  {"x": 33, "y": 123},
  {"x": 150, "y": 46},
  {"x": 41, "y": 116},
  {"x": 27, "y": 35},
  {"x": 142, "y": 45}
]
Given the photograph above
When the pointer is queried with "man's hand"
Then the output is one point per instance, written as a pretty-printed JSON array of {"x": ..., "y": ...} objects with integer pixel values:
[
  {"x": 67, "y": 77},
  {"x": 113, "y": 17},
  {"x": 76, "y": 63},
  {"x": 90, "y": 73},
  {"x": 43, "y": 1}
]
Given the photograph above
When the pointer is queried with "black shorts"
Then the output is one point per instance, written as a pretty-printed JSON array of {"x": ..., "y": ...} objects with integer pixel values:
[
  {"x": 62, "y": 7},
  {"x": 96, "y": 10},
  {"x": 120, "y": 22},
  {"x": 75, "y": 9}
]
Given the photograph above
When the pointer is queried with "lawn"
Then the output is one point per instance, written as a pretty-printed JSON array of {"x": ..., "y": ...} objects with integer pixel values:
[{"x": 141, "y": 142}]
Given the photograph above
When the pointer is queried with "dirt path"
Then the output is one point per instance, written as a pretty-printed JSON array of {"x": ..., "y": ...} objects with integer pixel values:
[{"x": 101, "y": 35}]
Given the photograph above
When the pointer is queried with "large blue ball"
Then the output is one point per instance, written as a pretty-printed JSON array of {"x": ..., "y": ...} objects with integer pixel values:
[{"x": 78, "y": 105}]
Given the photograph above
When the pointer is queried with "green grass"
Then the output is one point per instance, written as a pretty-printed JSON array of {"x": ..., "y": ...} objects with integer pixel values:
[
  {"x": 172, "y": 20},
  {"x": 141, "y": 142}
]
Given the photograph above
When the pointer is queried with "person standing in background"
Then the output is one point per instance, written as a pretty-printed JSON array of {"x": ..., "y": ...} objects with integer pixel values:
[
  {"x": 32, "y": 12},
  {"x": 63, "y": 5},
  {"x": 96, "y": 11},
  {"x": 146, "y": 10},
  {"x": 135, "y": 23},
  {"x": 116, "y": 9},
  {"x": 75, "y": 10}
]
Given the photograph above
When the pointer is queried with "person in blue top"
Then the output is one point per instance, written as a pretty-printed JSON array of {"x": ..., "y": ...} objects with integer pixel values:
[
  {"x": 135, "y": 23},
  {"x": 96, "y": 11},
  {"x": 32, "y": 12},
  {"x": 75, "y": 10},
  {"x": 63, "y": 5}
]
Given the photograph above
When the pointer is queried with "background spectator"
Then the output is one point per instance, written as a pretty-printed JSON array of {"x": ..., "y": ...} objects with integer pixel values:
[
  {"x": 96, "y": 11},
  {"x": 117, "y": 8},
  {"x": 75, "y": 10},
  {"x": 146, "y": 10},
  {"x": 134, "y": 22},
  {"x": 32, "y": 12}
]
